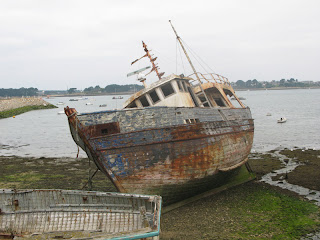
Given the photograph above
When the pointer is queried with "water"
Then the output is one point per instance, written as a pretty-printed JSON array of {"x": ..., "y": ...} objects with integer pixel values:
[
  {"x": 290, "y": 166},
  {"x": 45, "y": 133},
  {"x": 301, "y": 107}
]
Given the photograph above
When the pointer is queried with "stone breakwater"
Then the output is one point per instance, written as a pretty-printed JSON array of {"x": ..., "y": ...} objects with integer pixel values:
[{"x": 12, "y": 103}]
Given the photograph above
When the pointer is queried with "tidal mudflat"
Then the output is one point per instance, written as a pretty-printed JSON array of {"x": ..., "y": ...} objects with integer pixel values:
[{"x": 254, "y": 210}]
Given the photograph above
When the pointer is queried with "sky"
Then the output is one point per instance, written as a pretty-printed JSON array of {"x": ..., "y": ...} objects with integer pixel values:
[{"x": 60, "y": 44}]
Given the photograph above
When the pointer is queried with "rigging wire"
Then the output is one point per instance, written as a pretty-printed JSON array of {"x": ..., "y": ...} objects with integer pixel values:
[
  {"x": 164, "y": 58},
  {"x": 176, "y": 57},
  {"x": 195, "y": 55},
  {"x": 181, "y": 60}
]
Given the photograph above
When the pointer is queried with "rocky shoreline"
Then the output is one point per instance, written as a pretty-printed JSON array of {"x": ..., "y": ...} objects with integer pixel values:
[
  {"x": 12, "y": 103},
  {"x": 14, "y": 106},
  {"x": 254, "y": 210}
]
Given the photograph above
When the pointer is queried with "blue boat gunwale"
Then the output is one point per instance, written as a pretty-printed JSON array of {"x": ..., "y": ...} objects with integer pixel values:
[
  {"x": 121, "y": 110},
  {"x": 144, "y": 235}
]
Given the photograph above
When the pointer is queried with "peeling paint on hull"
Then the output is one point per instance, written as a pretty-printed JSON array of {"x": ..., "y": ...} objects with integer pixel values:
[{"x": 148, "y": 153}]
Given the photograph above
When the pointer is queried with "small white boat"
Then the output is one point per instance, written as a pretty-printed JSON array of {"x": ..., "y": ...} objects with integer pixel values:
[
  {"x": 282, "y": 120},
  {"x": 60, "y": 103},
  {"x": 268, "y": 114},
  {"x": 61, "y": 112},
  {"x": 102, "y": 105},
  {"x": 89, "y": 103}
]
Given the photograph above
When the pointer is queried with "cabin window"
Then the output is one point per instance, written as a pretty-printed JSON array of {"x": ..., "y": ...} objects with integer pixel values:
[
  {"x": 154, "y": 96},
  {"x": 180, "y": 86},
  {"x": 185, "y": 86},
  {"x": 193, "y": 97},
  {"x": 203, "y": 99},
  {"x": 167, "y": 89},
  {"x": 144, "y": 101},
  {"x": 132, "y": 105},
  {"x": 196, "y": 120},
  {"x": 219, "y": 102},
  {"x": 104, "y": 131}
]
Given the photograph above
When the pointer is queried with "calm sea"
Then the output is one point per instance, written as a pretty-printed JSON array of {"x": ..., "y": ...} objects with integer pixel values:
[{"x": 45, "y": 133}]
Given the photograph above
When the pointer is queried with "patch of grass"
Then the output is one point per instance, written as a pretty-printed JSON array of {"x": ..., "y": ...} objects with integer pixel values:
[
  {"x": 17, "y": 111},
  {"x": 266, "y": 213}
]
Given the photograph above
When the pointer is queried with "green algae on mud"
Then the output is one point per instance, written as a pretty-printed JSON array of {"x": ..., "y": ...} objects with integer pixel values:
[
  {"x": 262, "y": 164},
  {"x": 49, "y": 173},
  {"x": 20, "y": 110},
  {"x": 308, "y": 173},
  {"x": 250, "y": 211}
]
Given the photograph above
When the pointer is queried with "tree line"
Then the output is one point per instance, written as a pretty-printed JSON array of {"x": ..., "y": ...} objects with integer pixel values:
[
  {"x": 114, "y": 88},
  {"x": 11, "y": 92},
  {"x": 281, "y": 83}
]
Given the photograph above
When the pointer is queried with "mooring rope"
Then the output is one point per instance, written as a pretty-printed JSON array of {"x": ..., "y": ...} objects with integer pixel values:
[{"x": 78, "y": 151}]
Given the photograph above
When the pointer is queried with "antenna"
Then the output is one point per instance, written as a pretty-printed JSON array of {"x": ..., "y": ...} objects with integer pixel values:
[
  {"x": 140, "y": 77},
  {"x": 154, "y": 66}
]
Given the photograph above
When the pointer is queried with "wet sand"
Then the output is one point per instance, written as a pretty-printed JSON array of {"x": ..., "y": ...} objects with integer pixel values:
[{"x": 254, "y": 210}]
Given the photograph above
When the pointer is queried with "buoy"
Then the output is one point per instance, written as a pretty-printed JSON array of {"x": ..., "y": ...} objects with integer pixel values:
[{"x": 13, "y": 116}]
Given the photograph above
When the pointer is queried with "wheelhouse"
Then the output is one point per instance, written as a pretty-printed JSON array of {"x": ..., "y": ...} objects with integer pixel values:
[{"x": 178, "y": 91}]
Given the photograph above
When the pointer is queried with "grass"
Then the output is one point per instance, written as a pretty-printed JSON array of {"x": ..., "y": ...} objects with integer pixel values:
[{"x": 17, "y": 111}]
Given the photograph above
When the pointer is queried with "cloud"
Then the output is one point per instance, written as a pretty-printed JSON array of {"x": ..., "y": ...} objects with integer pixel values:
[{"x": 87, "y": 42}]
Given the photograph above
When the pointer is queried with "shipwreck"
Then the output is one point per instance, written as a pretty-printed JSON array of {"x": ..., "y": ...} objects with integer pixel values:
[{"x": 177, "y": 137}]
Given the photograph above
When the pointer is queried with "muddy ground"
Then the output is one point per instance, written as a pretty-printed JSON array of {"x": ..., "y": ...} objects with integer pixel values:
[{"x": 251, "y": 211}]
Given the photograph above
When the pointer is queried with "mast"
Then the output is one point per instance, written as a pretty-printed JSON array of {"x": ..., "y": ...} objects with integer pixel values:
[
  {"x": 194, "y": 70},
  {"x": 185, "y": 52}
]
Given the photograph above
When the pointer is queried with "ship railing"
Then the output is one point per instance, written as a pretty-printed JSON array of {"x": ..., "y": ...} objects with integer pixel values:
[{"x": 211, "y": 77}]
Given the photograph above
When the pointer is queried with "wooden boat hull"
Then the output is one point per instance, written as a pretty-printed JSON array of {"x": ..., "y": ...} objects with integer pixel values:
[
  {"x": 51, "y": 214},
  {"x": 175, "y": 161}
]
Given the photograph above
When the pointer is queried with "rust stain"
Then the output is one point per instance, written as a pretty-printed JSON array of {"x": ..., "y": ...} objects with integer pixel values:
[
  {"x": 198, "y": 163},
  {"x": 99, "y": 130}
]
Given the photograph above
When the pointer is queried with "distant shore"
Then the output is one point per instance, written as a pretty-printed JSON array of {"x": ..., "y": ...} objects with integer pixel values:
[
  {"x": 130, "y": 93},
  {"x": 275, "y": 88},
  {"x": 14, "y": 106}
]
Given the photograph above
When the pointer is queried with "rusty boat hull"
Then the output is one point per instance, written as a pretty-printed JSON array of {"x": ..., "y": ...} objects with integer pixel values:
[{"x": 175, "y": 152}]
